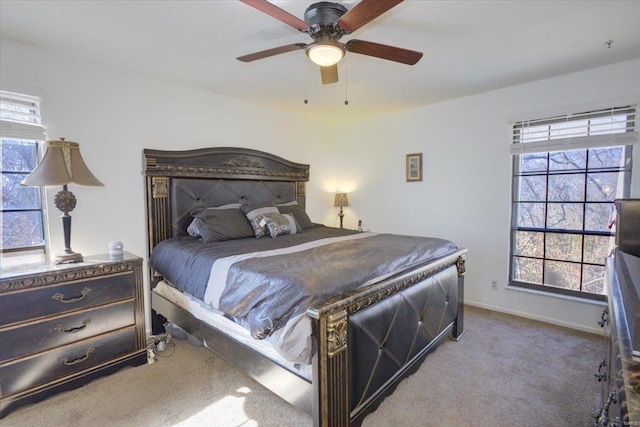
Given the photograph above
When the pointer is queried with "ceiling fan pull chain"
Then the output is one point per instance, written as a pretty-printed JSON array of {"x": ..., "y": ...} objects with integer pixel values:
[
  {"x": 304, "y": 62},
  {"x": 346, "y": 84}
]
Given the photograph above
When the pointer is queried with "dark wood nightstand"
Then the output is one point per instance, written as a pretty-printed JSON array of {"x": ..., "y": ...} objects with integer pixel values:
[{"x": 64, "y": 325}]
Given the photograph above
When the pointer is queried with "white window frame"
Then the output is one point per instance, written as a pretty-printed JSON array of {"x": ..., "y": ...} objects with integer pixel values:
[
  {"x": 20, "y": 120},
  {"x": 560, "y": 133}
]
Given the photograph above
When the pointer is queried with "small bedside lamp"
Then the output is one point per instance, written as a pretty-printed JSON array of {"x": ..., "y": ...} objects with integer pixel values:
[
  {"x": 62, "y": 164},
  {"x": 341, "y": 201}
]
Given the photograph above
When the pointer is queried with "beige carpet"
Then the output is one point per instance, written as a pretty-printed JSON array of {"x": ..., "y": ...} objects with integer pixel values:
[{"x": 506, "y": 371}]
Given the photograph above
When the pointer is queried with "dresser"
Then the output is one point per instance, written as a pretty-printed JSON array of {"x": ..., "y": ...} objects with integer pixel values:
[
  {"x": 64, "y": 325},
  {"x": 619, "y": 372}
]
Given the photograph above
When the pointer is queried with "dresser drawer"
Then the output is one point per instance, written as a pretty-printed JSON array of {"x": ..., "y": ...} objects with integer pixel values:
[
  {"x": 39, "y": 302},
  {"x": 35, "y": 337},
  {"x": 23, "y": 374}
]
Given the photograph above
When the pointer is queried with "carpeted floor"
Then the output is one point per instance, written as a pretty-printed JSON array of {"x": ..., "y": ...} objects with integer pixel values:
[{"x": 506, "y": 371}]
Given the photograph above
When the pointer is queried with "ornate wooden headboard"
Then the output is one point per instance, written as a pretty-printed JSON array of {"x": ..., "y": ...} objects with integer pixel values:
[{"x": 179, "y": 181}]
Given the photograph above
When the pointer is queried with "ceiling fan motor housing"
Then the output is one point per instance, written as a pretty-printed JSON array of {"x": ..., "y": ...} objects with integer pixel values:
[{"x": 322, "y": 17}]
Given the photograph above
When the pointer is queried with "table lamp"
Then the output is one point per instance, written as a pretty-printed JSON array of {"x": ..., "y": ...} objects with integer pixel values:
[
  {"x": 341, "y": 201},
  {"x": 62, "y": 164}
]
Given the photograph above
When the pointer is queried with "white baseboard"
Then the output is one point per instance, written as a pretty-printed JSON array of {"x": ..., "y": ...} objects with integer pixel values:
[{"x": 593, "y": 330}]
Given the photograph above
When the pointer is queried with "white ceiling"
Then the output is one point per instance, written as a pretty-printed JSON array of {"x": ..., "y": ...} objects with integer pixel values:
[{"x": 469, "y": 47}]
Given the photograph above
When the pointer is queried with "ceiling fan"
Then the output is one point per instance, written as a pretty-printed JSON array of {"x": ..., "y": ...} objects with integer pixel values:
[{"x": 326, "y": 23}]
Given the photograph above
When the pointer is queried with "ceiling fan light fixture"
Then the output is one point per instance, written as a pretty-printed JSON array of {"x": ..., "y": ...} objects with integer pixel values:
[{"x": 325, "y": 54}]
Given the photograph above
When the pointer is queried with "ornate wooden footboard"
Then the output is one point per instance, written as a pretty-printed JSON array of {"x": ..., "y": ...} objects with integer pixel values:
[
  {"x": 369, "y": 341},
  {"x": 365, "y": 343}
]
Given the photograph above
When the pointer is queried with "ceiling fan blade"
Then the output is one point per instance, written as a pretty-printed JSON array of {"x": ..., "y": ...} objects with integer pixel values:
[
  {"x": 363, "y": 13},
  {"x": 329, "y": 74},
  {"x": 271, "y": 52},
  {"x": 391, "y": 53},
  {"x": 279, "y": 14}
]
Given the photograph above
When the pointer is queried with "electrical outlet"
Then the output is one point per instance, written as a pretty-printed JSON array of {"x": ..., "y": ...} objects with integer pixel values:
[{"x": 494, "y": 285}]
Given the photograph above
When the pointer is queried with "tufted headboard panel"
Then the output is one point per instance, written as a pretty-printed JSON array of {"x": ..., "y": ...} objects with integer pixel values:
[
  {"x": 189, "y": 194},
  {"x": 179, "y": 181}
]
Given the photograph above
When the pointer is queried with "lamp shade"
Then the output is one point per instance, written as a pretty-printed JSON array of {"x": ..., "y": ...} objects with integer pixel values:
[
  {"x": 62, "y": 164},
  {"x": 341, "y": 200},
  {"x": 325, "y": 53}
]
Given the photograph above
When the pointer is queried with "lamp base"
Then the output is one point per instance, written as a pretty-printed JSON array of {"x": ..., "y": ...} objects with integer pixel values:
[{"x": 68, "y": 258}]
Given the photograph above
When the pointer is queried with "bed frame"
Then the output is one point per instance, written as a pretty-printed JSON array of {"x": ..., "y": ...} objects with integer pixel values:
[{"x": 365, "y": 342}]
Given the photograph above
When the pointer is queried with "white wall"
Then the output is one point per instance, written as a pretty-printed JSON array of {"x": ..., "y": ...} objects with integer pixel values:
[
  {"x": 114, "y": 114},
  {"x": 465, "y": 194}
]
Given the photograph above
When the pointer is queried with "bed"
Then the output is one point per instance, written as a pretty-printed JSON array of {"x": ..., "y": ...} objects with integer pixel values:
[{"x": 361, "y": 340}]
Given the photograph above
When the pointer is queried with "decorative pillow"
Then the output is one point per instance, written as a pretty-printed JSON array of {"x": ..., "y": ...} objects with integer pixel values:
[
  {"x": 255, "y": 213},
  {"x": 298, "y": 213},
  {"x": 279, "y": 224},
  {"x": 193, "y": 229},
  {"x": 217, "y": 225}
]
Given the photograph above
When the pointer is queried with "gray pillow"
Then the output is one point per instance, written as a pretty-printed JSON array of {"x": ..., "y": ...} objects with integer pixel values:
[
  {"x": 298, "y": 213},
  {"x": 193, "y": 229},
  {"x": 217, "y": 225},
  {"x": 279, "y": 224},
  {"x": 255, "y": 213}
]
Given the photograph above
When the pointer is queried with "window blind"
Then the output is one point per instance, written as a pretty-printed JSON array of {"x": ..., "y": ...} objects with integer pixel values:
[
  {"x": 20, "y": 116},
  {"x": 602, "y": 128}
]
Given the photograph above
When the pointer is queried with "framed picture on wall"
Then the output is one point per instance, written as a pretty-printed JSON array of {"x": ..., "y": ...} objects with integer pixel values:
[{"x": 414, "y": 167}]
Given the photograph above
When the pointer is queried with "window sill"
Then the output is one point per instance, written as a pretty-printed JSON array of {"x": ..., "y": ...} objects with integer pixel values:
[
  {"x": 15, "y": 260},
  {"x": 559, "y": 296}
]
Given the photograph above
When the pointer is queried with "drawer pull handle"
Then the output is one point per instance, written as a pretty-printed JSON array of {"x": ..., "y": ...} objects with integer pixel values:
[
  {"x": 80, "y": 359},
  {"x": 602, "y": 419},
  {"x": 61, "y": 328},
  {"x": 604, "y": 319},
  {"x": 60, "y": 297},
  {"x": 601, "y": 374}
]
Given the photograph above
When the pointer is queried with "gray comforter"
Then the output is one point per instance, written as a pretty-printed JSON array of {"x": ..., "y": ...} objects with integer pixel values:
[{"x": 266, "y": 292}]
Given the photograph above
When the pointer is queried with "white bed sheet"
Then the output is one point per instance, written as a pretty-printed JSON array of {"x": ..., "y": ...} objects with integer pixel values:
[{"x": 289, "y": 346}]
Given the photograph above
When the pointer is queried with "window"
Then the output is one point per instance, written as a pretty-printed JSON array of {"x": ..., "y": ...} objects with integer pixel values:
[
  {"x": 23, "y": 224},
  {"x": 567, "y": 172}
]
